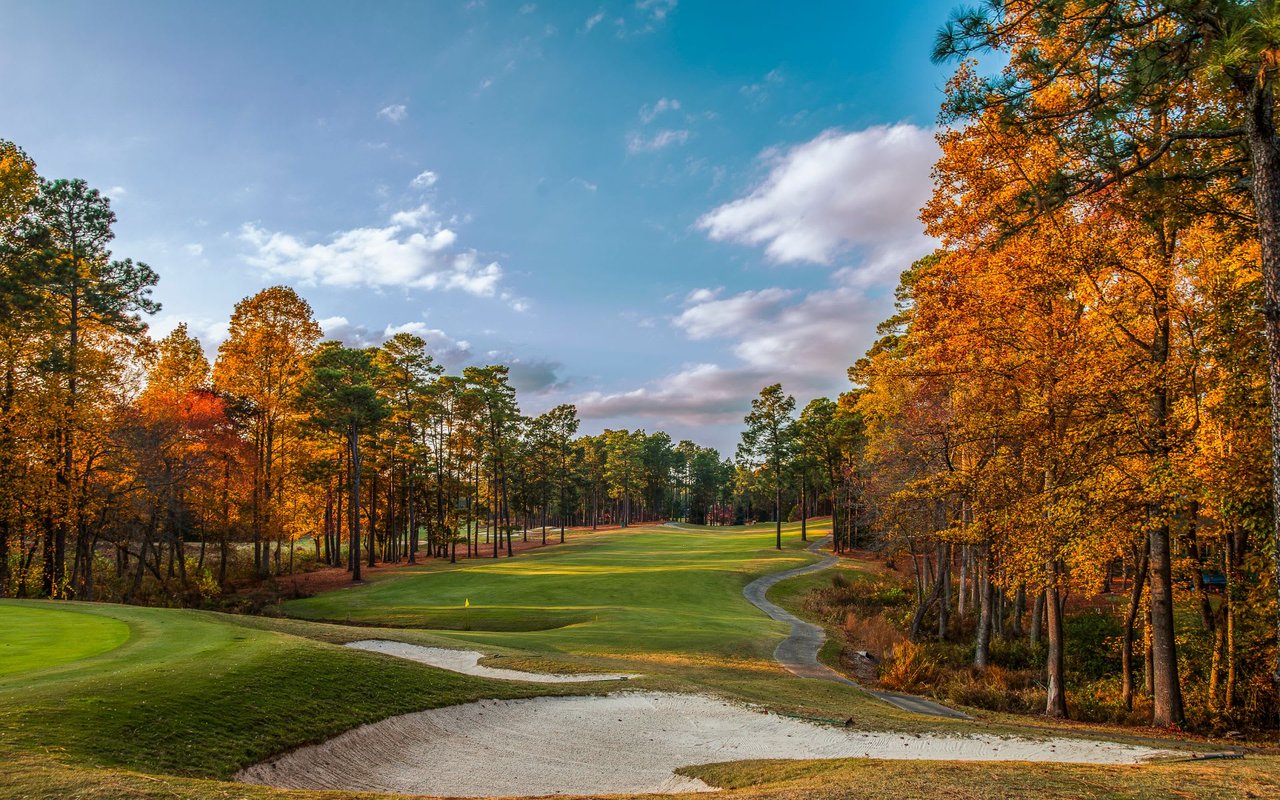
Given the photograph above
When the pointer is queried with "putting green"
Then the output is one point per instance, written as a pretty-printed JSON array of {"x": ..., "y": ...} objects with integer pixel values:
[{"x": 39, "y": 638}]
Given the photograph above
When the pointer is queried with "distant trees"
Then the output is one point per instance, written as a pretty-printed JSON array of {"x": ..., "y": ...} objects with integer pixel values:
[
  {"x": 816, "y": 458},
  {"x": 131, "y": 469}
]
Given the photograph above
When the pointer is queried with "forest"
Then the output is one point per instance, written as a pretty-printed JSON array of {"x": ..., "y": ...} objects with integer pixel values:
[{"x": 1069, "y": 414}]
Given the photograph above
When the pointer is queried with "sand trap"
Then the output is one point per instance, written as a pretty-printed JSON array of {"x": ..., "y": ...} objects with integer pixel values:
[
  {"x": 467, "y": 662},
  {"x": 612, "y": 744}
]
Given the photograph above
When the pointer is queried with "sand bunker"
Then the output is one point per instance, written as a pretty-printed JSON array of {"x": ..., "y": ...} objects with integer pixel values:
[
  {"x": 467, "y": 662},
  {"x": 612, "y": 744}
]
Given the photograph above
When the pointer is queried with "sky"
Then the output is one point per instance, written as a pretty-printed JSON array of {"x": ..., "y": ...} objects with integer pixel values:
[{"x": 651, "y": 208}]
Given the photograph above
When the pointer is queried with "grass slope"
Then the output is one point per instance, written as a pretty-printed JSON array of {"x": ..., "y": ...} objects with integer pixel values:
[{"x": 197, "y": 694}]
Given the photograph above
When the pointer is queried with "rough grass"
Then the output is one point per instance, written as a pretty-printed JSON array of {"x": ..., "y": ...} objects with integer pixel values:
[{"x": 925, "y": 780}]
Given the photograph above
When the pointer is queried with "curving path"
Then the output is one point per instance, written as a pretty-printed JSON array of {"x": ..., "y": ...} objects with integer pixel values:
[{"x": 798, "y": 653}]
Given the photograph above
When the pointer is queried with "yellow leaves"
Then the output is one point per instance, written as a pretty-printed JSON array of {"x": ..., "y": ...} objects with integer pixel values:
[{"x": 17, "y": 181}]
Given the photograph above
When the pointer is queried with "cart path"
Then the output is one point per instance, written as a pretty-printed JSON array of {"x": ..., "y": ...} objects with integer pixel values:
[{"x": 798, "y": 653}]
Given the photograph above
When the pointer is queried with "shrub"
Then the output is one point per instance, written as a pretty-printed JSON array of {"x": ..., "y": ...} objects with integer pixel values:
[{"x": 908, "y": 668}]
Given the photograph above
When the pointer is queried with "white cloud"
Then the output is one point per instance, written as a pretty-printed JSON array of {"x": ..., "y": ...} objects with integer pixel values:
[
  {"x": 585, "y": 184},
  {"x": 424, "y": 180},
  {"x": 414, "y": 250},
  {"x": 397, "y": 112},
  {"x": 195, "y": 249},
  {"x": 650, "y": 113},
  {"x": 805, "y": 341},
  {"x": 638, "y": 143},
  {"x": 116, "y": 192},
  {"x": 442, "y": 347},
  {"x": 840, "y": 191},
  {"x": 210, "y": 332},
  {"x": 758, "y": 93},
  {"x": 528, "y": 8},
  {"x": 697, "y": 394},
  {"x": 593, "y": 20},
  {"x": 657, "y": 9},
  {"x": 707, "y": 316}
]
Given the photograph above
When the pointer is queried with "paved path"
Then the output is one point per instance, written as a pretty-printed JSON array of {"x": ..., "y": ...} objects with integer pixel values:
[{"x": 798, "y": 653}]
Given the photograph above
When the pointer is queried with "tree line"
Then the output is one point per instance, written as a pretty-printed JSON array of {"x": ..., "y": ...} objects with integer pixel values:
[
  {"x": 1078, "y": 395},
  {"x": 136, "y": 470}
]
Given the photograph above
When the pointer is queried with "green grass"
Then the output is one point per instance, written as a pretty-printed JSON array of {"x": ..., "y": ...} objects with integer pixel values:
[
  {"x": 195, "y": 693},
  {"x": 651, "y": 590},
  {"x": 121, "y": 702},
  {"x": 43, "y": 638}
]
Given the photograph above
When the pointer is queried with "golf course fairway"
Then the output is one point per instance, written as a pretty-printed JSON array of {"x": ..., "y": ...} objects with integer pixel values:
[{"x": 172, "y": 703}]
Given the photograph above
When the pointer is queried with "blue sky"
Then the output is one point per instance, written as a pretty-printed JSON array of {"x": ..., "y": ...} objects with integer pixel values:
[{"x": 651, "y": 209}]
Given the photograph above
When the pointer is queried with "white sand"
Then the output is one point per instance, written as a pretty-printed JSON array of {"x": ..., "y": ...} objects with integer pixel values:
[
  {"x": 619, "y": 743},
  {"x": 467, "y": 662}
]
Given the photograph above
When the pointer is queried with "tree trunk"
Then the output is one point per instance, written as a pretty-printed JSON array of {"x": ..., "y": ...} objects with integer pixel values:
[
  {"x": 804, "y": 512},
  {"x": 1056, "y": 694},
  {"x": 353, "y": 443},
  {"x": 982, "y": 651},
  {"x": 1166, "y": 686},
  {"x": 1126, "y": 644},
  {"x": 1264, "y": 157}
]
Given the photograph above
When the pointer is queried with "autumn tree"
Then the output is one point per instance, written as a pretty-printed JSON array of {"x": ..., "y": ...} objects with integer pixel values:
[
  {"x": 1136, "y": 94},
  {"x": 84, "y": 295},
  {"x": 264, "y": 363}
]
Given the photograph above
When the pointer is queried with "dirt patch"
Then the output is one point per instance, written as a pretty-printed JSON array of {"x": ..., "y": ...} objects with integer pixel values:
[
  {"x": 468, "y": 663},
  {"x": 612, "y": 744}
]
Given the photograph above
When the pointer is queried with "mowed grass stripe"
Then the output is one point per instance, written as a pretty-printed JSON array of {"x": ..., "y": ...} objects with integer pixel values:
[{"x": 650, "y": 590}]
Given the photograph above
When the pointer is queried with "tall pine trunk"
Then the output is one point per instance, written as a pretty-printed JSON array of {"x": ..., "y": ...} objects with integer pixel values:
[{"x": 1264, "y": 157}]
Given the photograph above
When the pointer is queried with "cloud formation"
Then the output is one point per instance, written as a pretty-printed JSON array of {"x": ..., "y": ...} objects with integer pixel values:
[
  {"x": 650, "y": 113},
  {"x": 838, "y": 192},
  {"x": 639, "y": 143},
  {"x": 442, "y": 347},
  {"x": 414, "y": 250},
  {"x": 424, "y": 180},
  {"x": 532, "y": 376},
  {"x": 695, "y": 395},
  {"x": 806, "y": 341},
  {"x": 396, "y": 112}
]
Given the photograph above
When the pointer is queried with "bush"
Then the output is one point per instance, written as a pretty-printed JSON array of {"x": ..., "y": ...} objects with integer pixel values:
[
  {"x": 1090, "y": 653},
  {"x": 908, "y": 668}
]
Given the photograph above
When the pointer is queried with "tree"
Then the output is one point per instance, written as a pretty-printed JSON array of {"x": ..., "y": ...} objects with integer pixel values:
[
  {"x": 768, "y": 440},
  {"x": 624, "y": 451},
  {"x": 340, "y": 394},
  {"x": 65, "y": 235},
  {"x": 264, "y": 363},
  {"x": 561, "y": 425},
  {"x": 1129, "y": 95},
  {"x": 404, "y": 375}
]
